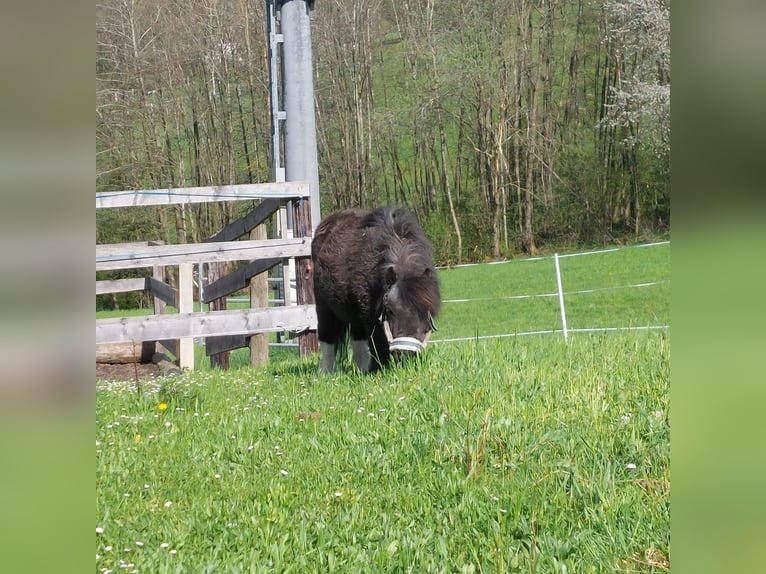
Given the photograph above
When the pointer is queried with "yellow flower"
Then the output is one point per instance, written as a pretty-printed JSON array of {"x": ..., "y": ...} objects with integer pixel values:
[
  {"x": 137, "y": 438},
  {"x": 162, "y": 406}
]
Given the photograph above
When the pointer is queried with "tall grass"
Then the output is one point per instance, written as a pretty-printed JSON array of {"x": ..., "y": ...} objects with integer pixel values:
[{"x": 498, "y": 456}]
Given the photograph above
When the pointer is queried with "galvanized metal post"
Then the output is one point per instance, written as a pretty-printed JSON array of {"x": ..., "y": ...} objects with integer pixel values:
[
  {"x": 291, "y": 70},
  {"x": 301, "y": 161}
]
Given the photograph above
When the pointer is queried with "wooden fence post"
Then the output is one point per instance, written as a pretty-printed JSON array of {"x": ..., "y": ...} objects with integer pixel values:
[
  {"x": 304, "y": 273},
  {"x": 216, "y": 270},
  {"x": 186, "y": 305},
  {"x": 259, "y": 298}
]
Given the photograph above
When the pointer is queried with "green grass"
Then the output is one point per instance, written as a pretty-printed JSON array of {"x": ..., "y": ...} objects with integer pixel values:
[
  {"x": 611, "y": 305},
  {"x": 525, "y": 454},
  {"x": 492, "y": 456}
]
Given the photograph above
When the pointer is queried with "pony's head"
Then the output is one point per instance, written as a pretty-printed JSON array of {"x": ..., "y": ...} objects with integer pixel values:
[{"x": 411, "y": 296}]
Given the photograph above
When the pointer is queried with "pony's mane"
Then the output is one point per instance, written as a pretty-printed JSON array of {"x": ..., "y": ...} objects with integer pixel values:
[{"x": 408, "y": 252}]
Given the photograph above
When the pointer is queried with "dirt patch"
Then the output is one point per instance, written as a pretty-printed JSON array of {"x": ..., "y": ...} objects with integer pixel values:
[{"x": 126, "y": 371}]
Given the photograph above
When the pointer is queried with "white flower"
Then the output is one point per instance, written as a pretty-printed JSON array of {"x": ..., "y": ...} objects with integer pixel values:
[
  {"x": 167, "y": 504},
  {"x": 338, "y": 494},
  {"x": 173, "y": 551},
  {"x": 164, "y": 545},
  {"x": 139, "y": 543},
  {"x": 630, "y": 466},
  {"x": 217, "y": 475},
  {"x": 283, "y": 472},
  {"x": 99, "y": 530},
  {"x": 107, "y": 548},
  {"x": 168, "y": 424}
]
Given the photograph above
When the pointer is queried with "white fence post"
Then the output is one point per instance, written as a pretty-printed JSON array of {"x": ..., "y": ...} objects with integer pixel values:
[
  {"x": 561, "y": 296},
  {"x": 186, "y": 305}
]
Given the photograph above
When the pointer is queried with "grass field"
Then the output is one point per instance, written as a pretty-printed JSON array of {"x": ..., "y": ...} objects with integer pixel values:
[{"x": 520, "y": 454}]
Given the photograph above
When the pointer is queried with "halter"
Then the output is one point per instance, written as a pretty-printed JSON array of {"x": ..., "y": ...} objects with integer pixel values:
[{"x": 410, "y": 344}]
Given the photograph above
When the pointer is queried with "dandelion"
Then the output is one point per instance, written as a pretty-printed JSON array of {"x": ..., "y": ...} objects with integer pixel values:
[
  {"x": 162, "y": 406},
  {"x": 137, "y": 438},
  {"x": 168, "y": 424}
]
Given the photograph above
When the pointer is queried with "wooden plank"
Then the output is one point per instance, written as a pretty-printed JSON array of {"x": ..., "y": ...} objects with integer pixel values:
[
  {"x": 120, "y": 285},
  {"x": 232, "y": 322},
  {"x": 216, "y": 271},
  {"x": 162, "y": 291},
  {"x": 186, "y": 306},
  {"x": 237, "y": 280},
  {"x": 181, "y": 195},
  {"x": 247, "y": 223},
  {"x": 304, "y": 273},
  {"x": 152, "y": 255},
  {"x": 215, "y": 345}
]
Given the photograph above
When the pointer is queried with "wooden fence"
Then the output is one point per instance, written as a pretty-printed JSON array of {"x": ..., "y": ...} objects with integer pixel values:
[{"x": 229, "y": 328}]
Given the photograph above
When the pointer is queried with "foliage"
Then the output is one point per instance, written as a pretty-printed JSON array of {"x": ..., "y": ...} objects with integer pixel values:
[{"x": 507, "y": 126}]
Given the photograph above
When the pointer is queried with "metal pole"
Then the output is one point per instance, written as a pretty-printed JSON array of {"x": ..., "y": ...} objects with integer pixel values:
[
  {"x": 561, "y": 295},
  {"x": 301, "y": 162},
  {"x": 300, "y": 139}
]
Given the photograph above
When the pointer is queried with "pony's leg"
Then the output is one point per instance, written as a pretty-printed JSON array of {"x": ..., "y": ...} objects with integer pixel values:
[
  {"x": 330, "y": 333},
  {"x": 360, "y": 349},
  {"x": 327, "y": 351},
  {"x": 378, "y": 346}
]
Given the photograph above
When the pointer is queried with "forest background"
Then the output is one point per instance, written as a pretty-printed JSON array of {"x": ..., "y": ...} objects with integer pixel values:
[{"x": 508, "y": 126}]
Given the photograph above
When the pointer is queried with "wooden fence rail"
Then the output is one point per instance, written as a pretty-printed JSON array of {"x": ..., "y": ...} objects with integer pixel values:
[{"x": 177, "y": 331}]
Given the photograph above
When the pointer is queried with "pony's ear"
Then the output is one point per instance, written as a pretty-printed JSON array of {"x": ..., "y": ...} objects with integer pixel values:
[{"x": 390, "y": 276}]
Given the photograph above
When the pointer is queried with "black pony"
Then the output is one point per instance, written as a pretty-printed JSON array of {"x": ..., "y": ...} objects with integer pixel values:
[{"x": 374, "y": 278}]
